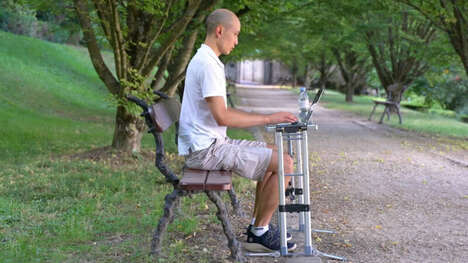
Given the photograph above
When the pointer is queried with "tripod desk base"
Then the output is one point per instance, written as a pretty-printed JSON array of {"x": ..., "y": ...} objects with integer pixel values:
[{"x": 277, "y": 254}]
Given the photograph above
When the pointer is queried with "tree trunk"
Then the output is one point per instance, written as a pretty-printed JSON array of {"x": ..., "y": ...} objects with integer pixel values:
[
  {"x": 307, "y": 76},
  {"x": 395, "y": 93},
  {"x": 461, "y": 50},
  {"x": 294, "y": 73},
  {"x": 457, "y": 32},
  {"x": 179, "y": 65},
  {"x": 74, "y": 38},
  {"x": 128, "y": 131},
  {"x": 349, "y": 92},
  {"x": 326, "y": 71}
]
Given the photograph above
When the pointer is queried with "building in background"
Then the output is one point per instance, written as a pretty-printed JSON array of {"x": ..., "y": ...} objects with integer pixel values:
[{"x": 261, "y": 72}]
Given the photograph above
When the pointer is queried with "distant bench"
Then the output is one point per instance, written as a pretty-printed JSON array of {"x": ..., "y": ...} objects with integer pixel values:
[
  {"x": 389, "y": 107},
  {"x": 159, "y": 117},
  {"x": 394, "y": 91}
]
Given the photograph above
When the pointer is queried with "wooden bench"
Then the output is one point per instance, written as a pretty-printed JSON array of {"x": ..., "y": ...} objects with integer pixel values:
[
  {"x": 389, "y": 107},
  {"x": 159, "y": 117}
]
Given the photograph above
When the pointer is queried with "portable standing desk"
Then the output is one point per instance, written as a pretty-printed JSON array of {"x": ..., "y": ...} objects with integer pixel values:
[{"x": 295, "y": 134}]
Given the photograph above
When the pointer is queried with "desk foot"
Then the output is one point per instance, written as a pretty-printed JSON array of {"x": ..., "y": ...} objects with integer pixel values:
[
  {"x": 275, "y": 254},
  {"x": 323, "y": 231},
  {"x": 321, "y": 254}
]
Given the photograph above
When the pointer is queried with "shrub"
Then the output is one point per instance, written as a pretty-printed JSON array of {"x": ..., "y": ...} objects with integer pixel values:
[
  {"x": 449, "y": 90},
  {"x": 22, "y": 20},
  {"x": 17, "y": 19}
]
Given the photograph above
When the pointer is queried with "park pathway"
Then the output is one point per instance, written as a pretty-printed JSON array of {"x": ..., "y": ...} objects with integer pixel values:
[{"x": 391, "y": 195}]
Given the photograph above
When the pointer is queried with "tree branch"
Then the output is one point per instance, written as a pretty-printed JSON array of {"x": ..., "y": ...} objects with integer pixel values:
[
  {"x": 159, "y": 76},
  {"x": 182, "y": 23},
  {"x": 152, "y": 36},
  {"x": 179, "y": 64},
  {"x": 343, "y": 71},
  {"x": 96, "y": 58}
]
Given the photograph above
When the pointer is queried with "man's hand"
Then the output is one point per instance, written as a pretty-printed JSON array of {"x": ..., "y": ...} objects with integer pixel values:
[{"x": 280, "y": 117}]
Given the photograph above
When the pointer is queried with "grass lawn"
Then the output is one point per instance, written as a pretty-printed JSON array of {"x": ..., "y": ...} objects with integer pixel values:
[
  {"x": 429, "y": 123},
  {"x": 63, "y": 197}
]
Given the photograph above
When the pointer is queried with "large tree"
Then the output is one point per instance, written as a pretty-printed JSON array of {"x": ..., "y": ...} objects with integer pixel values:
[
  {"x": 399, "y": 45},
  {"x": 353, "y": 67},
  {"x": 142, "y": 35},
  {"x": 451, "y": 16}
]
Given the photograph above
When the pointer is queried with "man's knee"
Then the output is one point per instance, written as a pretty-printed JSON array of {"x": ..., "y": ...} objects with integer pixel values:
[
  {"x": 273, "y": 147},
  {"x": 288, "y": 163}
]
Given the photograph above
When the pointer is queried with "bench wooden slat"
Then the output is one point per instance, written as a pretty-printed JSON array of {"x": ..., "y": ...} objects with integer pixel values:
[
  {"x": 193, "y": 179},
  {"x": 384, "y": 102},
  {"x": 199, "y": 180},
  {"x": 219, "y": 181}
]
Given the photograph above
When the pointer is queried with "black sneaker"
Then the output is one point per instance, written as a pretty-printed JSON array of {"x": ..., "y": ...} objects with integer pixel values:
[
  {"x": 274, "y": 229},
  {"x": 277, "y": 232},
  {"x": 268, "y": 242}
]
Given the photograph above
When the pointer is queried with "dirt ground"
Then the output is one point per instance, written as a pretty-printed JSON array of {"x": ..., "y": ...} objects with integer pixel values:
[{"x": 391, "y": 195}]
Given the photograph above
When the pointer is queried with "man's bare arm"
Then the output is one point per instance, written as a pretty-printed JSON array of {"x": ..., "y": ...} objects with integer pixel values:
[{"x": 236, "y": 118}]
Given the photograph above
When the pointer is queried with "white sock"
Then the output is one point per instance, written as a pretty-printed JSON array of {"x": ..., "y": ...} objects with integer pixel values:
[
  {"x": 259, "y": 230},
  {"x": 253, "y": 221}
]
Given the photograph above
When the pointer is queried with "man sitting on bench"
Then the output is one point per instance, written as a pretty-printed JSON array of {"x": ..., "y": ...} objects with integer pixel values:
[{"x": 202, "y": 131}]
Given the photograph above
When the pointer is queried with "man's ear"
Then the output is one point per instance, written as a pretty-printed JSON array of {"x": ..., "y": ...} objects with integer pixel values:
[{"x": 219, "y": 30}]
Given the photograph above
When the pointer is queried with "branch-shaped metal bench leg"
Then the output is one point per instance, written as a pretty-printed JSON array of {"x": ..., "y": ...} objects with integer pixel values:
[
  {"x": 222, "y": 215},
  {"x": 171, "y": 202},
  {"x": 398, "y": 113},
  {"x": 372, "y": 113},
  {"x": 383, "y": 114},
  {"x": 235, "y": 202}
]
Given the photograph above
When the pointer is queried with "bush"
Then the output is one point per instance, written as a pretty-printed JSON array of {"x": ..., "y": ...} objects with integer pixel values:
[
  {"x": 417, "y": 107},
  {"x": 445, "y": 113},
  {"x": 21, "y": 20},
  {"x": 448, "y": 90},
  {"x": 17, "y": 19},
  {"x": 463, "y": 114}
]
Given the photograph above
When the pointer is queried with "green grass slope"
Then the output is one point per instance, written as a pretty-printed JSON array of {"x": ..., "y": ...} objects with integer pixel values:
[
  {"x": 58, "y": 208},
  {"x": 51, "y": 99}
]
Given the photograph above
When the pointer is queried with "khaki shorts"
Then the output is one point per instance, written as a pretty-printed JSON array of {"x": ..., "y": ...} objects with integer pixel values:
[{"x": 248, "y": 159}]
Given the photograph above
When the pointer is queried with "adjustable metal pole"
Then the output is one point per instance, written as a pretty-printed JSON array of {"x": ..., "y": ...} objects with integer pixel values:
[
  {"x": 291, "y": 153},
  {"x": 305, "y": 169},
  {"x": 300, "y": 182},
  {"x": 282, "y": 197}
]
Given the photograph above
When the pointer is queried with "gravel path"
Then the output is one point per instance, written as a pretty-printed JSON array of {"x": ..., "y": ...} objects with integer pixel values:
[{"x": 392, "y": 196}]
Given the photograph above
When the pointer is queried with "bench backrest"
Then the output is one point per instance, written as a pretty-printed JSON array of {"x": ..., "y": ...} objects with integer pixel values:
[
  {"x": 164, "y": 113},
  {"x": 395, "y": 89}
]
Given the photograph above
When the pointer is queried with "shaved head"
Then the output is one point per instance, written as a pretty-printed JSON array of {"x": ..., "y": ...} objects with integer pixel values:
[{"x": 222, "y": 17}]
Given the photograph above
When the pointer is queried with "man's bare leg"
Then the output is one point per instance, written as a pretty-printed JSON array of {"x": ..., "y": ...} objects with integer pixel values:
[
  {"x": 267, "y": 196},
  {"x": 259, "y": 186}
]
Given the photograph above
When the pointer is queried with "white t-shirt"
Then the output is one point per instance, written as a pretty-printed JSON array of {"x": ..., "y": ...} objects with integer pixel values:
[{"x": 205, "y": 78}]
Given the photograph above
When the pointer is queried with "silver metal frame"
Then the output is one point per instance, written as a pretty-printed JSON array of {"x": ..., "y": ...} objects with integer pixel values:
[{"x": 301, "y": 156}]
